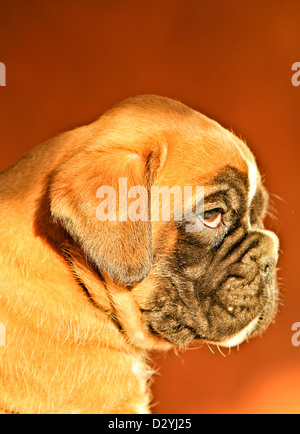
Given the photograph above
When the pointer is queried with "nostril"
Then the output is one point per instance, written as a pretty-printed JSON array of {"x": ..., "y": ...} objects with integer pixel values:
[
  {"x": 267, "y": 265},
  {"x": 266, "y": 272}
]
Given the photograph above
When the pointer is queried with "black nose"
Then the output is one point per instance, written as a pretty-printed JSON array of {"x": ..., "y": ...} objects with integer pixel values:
[{"x": 267, "y": 265}]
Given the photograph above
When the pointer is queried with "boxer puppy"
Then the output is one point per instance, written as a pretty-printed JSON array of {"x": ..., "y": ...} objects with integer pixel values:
[{"x": 84, "y": 298}]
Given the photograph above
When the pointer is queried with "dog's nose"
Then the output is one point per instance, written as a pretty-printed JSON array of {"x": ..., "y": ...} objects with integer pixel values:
[{"x": 267, "y": 265}]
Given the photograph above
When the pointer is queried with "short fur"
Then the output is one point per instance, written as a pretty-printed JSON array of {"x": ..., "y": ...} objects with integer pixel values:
[{"x": 83, "y": 300}]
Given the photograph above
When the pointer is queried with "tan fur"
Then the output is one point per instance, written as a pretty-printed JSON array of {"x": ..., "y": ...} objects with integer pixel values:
[{"x": 64, "y": 352}]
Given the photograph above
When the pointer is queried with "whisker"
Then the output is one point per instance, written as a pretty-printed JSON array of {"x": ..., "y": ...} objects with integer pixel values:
[
  {"x": 221, "y": 351},
  {"x": 212, "y": 351}
]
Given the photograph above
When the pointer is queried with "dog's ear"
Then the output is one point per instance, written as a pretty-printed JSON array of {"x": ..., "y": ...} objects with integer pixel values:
[{"x": 121, "y": 249}]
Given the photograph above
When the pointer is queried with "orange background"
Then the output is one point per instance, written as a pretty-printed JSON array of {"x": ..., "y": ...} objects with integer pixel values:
[{"x": 69, "y": 60}]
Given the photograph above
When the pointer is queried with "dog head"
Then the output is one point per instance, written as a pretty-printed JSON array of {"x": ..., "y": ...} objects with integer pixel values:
[{"x": 208, "y": 270}]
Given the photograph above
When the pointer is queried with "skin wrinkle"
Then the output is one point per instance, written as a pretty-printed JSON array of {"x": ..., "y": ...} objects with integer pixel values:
[{"x": 243, "y": 244}]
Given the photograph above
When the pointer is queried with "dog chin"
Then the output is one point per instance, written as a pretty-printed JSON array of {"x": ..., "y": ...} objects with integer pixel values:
[
  {"x": 241, "y": 336},
  {"x": 186, "y": 336}
]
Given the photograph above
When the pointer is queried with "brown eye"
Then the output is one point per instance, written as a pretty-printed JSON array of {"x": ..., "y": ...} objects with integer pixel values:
[{"x": 213, "y": 218}]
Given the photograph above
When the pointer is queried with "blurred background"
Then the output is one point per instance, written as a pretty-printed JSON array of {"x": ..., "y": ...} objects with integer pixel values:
[{"x": 67, "y": 61}]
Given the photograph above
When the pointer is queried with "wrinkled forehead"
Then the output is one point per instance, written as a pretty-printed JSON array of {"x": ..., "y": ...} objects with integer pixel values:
[{"x": 201, "y": 149}]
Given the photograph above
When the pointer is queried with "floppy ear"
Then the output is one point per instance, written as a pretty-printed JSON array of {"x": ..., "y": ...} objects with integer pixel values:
[{"x": 122, "y": 249}]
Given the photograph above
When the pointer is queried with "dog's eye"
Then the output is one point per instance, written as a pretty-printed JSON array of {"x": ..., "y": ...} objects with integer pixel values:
[{"x": 213, "y": 218}]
